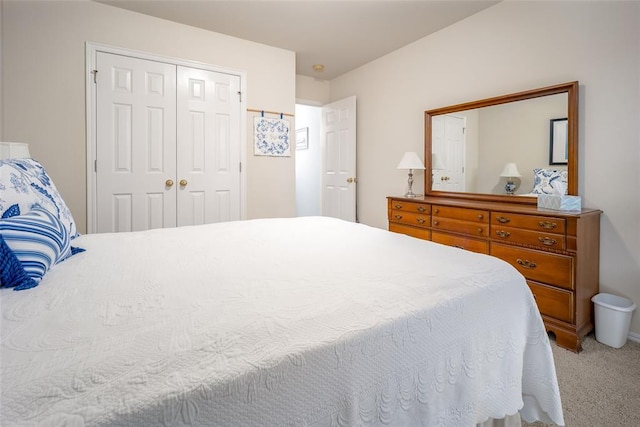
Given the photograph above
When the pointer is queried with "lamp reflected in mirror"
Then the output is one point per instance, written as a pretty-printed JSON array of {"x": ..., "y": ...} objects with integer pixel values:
[
  {"x": 436, "y": 165},
  {"x": 14, "y": 150},
  {"x": 437, "y": 162},
  {"x": 510, "y": 172},
  {"x": 410, "y": 161}
]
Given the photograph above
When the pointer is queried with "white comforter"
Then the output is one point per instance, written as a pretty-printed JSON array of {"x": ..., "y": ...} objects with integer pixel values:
[{"x": 275, "y": 322}]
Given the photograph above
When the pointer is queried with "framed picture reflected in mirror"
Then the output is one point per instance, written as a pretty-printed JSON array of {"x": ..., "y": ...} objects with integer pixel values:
[
  {"x": 302, "y": 138},
  {"x": 558, "y": 142}
]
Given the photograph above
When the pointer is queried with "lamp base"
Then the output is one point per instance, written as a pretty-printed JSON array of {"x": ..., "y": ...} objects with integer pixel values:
[
  {"x": 411, "y": 195},
  {"x": 510, "y": 187}
]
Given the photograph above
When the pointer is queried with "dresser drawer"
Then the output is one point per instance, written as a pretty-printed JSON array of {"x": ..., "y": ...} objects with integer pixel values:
[
  {"x": 535, "y": 265},
  {"x": 402, "y": 205},
  {"x": 474, "y": 245},
  {"x": 528, "y": 237},
  {"x": 420, "y": 233},
  {"x": 412, "y": 218},
  {"x": 529, "y": 222},
  {"x": 473, "y": 215},
  {"x": 553, "y": 302},
  {"x": 458, "y": 226}
]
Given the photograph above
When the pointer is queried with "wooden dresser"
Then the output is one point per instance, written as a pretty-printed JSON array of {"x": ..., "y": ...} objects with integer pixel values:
[{"x": 557, "y": 252}]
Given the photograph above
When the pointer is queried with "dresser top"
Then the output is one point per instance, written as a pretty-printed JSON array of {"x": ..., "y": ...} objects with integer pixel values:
[{"x": 495, "y": 206}]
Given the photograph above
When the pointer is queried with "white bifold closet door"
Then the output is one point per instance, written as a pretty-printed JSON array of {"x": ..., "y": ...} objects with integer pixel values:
[{"x": 167, "y": 149}]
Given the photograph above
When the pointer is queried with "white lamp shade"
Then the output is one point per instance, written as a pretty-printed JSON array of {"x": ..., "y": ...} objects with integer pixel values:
[
  {"x": 410, "y": 160},
  {"x": 510, "y": 171},
  {"x": 14, "y": 150}
]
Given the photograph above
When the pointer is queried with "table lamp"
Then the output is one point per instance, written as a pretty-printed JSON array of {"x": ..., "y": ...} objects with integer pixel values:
[
  {"x": 510, "y": 172},
  {"x": 410, "y": 161}
]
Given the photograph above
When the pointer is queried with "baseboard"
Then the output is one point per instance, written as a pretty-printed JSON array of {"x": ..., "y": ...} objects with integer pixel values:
[{"x": 634, "y": 337}]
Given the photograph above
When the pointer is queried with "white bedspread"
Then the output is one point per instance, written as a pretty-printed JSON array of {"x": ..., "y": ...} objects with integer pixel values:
[{"x": 274, "y": 322}]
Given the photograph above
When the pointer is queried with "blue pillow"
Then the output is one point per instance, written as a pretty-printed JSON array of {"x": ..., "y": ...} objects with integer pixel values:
[
  {"x": 13, "y": 210},
  {"x": 37, "y": 239},
  {"x": 12, "y": 275}
]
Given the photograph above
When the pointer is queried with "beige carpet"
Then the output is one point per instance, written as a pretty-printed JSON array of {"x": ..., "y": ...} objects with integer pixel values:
[{"x": 600, "y": 386}]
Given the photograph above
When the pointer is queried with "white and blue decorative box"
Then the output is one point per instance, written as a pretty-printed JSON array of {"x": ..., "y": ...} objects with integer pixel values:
[{"x": 559, "y": 203}]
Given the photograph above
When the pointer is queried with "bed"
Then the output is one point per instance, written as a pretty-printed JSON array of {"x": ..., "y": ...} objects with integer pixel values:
[{"x": 274, "y": 322}]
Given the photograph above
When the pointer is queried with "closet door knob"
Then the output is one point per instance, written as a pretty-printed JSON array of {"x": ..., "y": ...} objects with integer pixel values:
[
  {"x": 183, "y": 182},
  {"x": 168, "y": 183}
]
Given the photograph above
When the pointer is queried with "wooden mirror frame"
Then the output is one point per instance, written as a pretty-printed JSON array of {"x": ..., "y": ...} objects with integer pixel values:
[{"x": 571, "y": 89}]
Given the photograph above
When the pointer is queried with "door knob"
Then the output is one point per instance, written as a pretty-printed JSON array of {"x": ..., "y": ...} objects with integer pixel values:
[
  {"x": 183, "y": 182},
  {"x": 350, "y": 180},
  {"x": 168, "y": 183}
]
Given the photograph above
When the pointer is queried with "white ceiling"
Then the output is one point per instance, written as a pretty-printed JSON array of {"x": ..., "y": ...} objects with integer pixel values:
[{"x": 341, "y": 35}]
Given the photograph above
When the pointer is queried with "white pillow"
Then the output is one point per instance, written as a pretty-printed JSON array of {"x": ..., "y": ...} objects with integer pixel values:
[{"x": 25, "y": 182}]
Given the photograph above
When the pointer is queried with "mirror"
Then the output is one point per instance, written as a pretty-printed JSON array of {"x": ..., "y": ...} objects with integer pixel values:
[{"x": 471, "y": 148}]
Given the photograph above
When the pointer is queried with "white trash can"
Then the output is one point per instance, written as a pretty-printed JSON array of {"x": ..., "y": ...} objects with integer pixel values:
[{"x": 613, "y": 318}]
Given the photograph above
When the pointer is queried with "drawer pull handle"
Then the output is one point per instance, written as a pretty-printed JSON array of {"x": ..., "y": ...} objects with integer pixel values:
[
  {"x": 420, "y": 220},
  {"x": 398, "y": 216},
  {"x": 547, "y": 241},
  {"x": 436, "y": 223},
  {"x": 503, "y": 234},
  {"x": 479, "y": 230},
  {"x": 436, "y": 210},
  {"x": 480, "y": 216},
  {"x": 547, "y": 225},
  {"x": 503, "y": 219},
  {"x": 526, "y": 263},
  {"x": 421, "y": 209},
  {"x": 398, "y": 206}
]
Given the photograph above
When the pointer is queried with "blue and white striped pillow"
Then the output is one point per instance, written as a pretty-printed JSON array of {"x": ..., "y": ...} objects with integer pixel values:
[{"x": 38, "y": 239}]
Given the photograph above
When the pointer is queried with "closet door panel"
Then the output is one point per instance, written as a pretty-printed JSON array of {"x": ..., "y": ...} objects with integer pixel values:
[
  {"x": 136, "y": 143},
  {"x": 208, "y": 156}
]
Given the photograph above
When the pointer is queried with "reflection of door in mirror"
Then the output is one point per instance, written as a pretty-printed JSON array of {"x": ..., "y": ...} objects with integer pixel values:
[{"x": 448, "y": 153}]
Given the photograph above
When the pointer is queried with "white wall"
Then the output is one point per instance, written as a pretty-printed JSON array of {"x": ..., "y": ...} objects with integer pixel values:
[
  {"x": 43, "y": 77},
  {"x": 510, "y": 47},
  {"x": 309, "y": 163},
  {"x": 312, "y": 91}
]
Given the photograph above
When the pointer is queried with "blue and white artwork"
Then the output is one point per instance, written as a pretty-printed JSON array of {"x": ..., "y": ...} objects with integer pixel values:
[{"x": 271, "y": 137}]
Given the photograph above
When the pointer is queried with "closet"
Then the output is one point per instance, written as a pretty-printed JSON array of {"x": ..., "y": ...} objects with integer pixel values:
[{"x": 167, "y": 144}]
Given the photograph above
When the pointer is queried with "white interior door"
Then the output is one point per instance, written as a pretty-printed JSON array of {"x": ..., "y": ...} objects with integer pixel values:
[
  {"x": 136, "y": 143},
  {"x": 338, "y": 138},
  {"x": 208, "y": 157},
  {"x": 167, "y": 145},
  {"x": 448, "y": 146}
]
